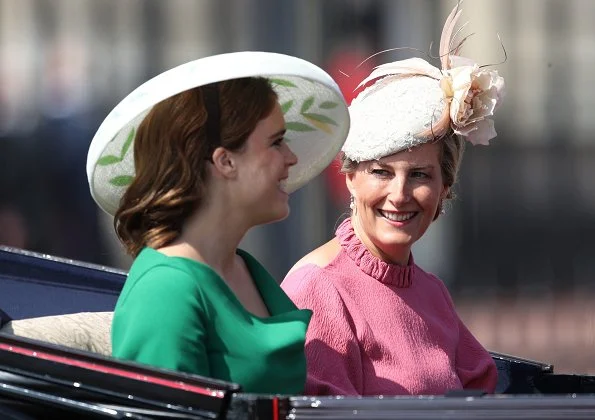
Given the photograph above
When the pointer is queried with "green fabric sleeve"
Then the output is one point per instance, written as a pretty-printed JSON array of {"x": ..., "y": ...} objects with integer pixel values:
[{"x": 161, "y": 322}]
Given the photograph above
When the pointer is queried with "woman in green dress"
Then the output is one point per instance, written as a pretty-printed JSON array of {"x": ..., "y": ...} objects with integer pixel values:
[{"x": 187, "y": 164}]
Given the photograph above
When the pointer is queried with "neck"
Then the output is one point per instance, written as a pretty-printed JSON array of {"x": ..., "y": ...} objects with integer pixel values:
[
  {"x": 211, "y": 236},
  {"x": 394, "y": 255}
]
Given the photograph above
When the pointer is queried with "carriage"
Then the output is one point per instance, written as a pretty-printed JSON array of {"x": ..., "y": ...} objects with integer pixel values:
[{"x": 53, "y": 365}]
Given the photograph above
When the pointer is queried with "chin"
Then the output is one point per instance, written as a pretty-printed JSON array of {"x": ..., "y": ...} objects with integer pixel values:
[
  {"x": 276, "y": 215},
  {"x": 398, "y": 239},
  {"x": 282, "y": 215}
]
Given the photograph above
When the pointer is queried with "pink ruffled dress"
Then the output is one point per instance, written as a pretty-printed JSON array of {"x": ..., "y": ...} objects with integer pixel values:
[{"x": 383, "y": 329}]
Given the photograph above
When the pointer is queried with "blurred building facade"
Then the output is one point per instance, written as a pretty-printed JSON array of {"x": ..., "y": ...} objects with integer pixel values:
[{"x": 515, "y": 247}]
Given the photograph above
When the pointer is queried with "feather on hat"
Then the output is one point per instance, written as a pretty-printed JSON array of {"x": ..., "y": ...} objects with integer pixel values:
[{"x": 410, "y": 102}]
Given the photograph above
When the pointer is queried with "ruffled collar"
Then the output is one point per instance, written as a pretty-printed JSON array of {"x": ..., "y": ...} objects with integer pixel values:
[{"x": 387, "y": 273}]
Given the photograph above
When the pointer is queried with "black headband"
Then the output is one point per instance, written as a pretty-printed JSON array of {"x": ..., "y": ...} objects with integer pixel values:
[{"x": 211, "y": 100}]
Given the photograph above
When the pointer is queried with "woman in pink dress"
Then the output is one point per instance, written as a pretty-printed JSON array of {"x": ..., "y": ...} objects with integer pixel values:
[{"x": 381, "y": 324}]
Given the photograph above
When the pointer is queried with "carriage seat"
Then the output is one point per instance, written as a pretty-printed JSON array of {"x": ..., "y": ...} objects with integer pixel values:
[{"x": 89, "y": 331}]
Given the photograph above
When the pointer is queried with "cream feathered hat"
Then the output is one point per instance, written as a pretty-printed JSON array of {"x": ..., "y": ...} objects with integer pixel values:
[
  {"x": 316, "y": 116},
  {"x": 410, "y": 102}
]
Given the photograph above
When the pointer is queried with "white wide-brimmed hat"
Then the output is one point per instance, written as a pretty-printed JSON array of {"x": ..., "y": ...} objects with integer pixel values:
[{"x": 316, "y": 116}]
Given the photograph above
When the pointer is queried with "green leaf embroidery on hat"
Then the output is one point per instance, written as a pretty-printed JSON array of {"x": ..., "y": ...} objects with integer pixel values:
[
  {"x": 282, "y": 82},
  {"x": 307, "y": 104},
  {"x": 286, "y": 106},
  {"x": 121, "y": 180},
  {"x": 127, "y": 143},
  {"x": 108, "y": 160},
  {"x": 298, "y": 126},
  {"x": 111, "y": 159},
  {"x": 319, "y": 117},
  {"x": 328, "y": 105},
  {"x": 318, "y": 120}
]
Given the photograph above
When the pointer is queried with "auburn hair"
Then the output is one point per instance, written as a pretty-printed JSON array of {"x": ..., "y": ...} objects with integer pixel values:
[{"x": 171, "y": 155}]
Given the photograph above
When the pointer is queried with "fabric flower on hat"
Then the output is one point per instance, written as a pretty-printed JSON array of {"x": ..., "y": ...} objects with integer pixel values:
[{"x": 474, "y": 94}]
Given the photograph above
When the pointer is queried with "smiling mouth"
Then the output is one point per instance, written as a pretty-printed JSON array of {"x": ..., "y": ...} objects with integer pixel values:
[{"x": 397, "y": 217}]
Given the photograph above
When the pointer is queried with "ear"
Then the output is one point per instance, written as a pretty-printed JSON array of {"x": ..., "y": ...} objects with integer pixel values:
[
  {"x": 224, "y": 162},
  {"x": 445, "y": 192},
  {"x": 443, "y": 195},
  {"x": 349, "y": 182}
]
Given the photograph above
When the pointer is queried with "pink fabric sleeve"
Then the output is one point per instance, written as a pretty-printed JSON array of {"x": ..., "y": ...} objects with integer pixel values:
[
  {"x": 332, "y": 350},
  {"x": 474, "y": 364}
]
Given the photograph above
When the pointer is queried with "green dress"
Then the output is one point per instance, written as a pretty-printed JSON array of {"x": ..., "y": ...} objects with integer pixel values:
[{"x": 177, "y": 313}]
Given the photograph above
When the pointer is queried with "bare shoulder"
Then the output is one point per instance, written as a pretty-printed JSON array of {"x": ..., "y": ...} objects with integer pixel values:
[{"x": 320, "y": 257}]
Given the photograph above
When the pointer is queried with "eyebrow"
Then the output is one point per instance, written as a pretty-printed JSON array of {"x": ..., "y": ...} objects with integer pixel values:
[
  {"x": 429, "y": 166},
  {"x": 413, "y": 167},
  {"x": 278, "y": 134}
]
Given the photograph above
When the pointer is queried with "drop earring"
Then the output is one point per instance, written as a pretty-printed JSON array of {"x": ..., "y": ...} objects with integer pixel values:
[{"x": 440, "y": 210}]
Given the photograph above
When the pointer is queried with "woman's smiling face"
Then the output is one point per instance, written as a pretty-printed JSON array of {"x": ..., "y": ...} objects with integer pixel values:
[
  {"x": 396, "y": 200},
  {"x": 263, "y": 168}
]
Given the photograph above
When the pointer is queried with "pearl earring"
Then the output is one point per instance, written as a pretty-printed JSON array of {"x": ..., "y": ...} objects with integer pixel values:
[{"x": 352, "y": 205}]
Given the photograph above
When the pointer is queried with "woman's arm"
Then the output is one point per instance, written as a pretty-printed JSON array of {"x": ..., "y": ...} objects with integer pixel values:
[
  {"x": 161, "y": 322},
  {"x": 474, "y": 365},
  {"x": 332, "y": 349}
]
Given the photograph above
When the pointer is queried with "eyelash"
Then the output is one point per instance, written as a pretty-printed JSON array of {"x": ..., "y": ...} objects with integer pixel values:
[
  {"x": 379, "y": 172},
  {"x": 278, "y": 142},
  {"x": 422, "y": 174},
  {"x": 383, "y": 173}
]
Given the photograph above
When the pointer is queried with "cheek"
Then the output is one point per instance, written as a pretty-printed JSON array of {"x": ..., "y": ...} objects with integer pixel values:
[
  {"x": 428, "y": 197},
  {"x": 276, "y": 156},
  {"x": 372, "y": 199},
  {"x": 265, "y": 159},
  {"x": 370, "y": 191}
]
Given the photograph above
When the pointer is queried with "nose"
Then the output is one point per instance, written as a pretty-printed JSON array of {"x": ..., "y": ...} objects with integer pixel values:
[
  {"x": 400, "y": 191},
  {"x": 290, "y": 157}
]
